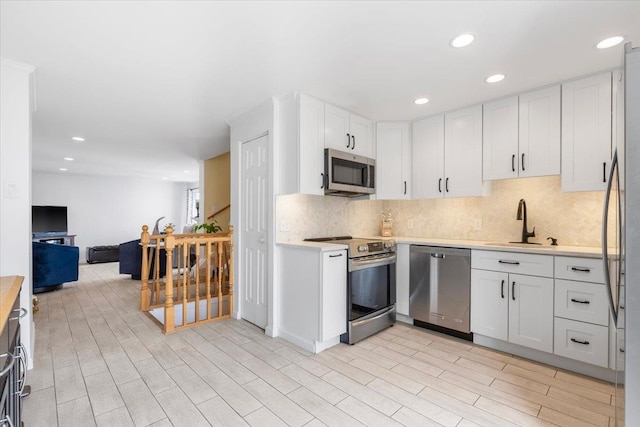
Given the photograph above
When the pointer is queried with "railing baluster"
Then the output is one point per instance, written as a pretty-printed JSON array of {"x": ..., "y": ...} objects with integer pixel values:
[
  {"x": 208, "y": 287},
  {"x": 219, "y": 270},
  {"x": 197, "y": 281},
  {"x": 185, "y": 284},
  {"x": 144, "y": 288}
]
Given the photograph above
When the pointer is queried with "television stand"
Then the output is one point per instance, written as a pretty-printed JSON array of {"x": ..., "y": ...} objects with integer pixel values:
[{"x": 68, "y": 239}]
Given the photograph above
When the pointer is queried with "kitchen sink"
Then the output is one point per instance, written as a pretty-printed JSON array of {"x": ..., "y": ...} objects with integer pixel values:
[{"x": 520, "y": 245}]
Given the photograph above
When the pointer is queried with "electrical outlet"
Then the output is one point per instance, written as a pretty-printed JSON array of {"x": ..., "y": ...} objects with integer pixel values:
[
  {"x": 477, "y": 224},
  {"x": 284, "y": 226},
  {"x": 410, "y": 224}
]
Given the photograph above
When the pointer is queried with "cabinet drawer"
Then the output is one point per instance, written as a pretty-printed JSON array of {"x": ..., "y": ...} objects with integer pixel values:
[
  {"x": 513, "y": 262},
  {"x": 581, "y": 341},
  {"x": 581, "y": 269},
  {"x": 586, "y": 302}
]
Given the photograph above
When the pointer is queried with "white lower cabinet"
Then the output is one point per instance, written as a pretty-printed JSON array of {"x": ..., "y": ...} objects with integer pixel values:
[
  {"x": 313, "y": 297},
  {"x": 531, "y": 311},
  {"x": 582, "y": 341},
  {"x": 402, "y": 278},
  {"x": 490, "y": 304},
  {"x": 513, "y": 307}
]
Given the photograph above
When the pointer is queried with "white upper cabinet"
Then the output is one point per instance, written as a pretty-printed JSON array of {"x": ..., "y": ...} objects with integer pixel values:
[
  {"x": 447, "y": 155},
  {"x": 500, "y": 139},
  {"x": 428, "y": 158},
  {"x": 349, "y": 132},
  {"x": 586, "y": 133},
  {"x": 361, "y": 131},
  {"x": 301, "y": 152},
  {"x": 539, "y": 141},
  {"x": 393, "y": 166},
  {"x": 336, "y": 128},
  {"x": 521, "y": 135},
  {"x": 463, "y": 152}
]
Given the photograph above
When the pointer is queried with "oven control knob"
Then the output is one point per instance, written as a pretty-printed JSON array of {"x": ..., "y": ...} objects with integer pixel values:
[{"x": 362, "y": 248}]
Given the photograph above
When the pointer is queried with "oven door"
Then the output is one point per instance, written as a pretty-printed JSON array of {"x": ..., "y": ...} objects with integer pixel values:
[{"x": 371, "y": 285}]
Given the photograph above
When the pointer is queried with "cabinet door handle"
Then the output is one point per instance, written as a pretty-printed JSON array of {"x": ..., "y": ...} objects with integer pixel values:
[
  {"x": 353, "y": 139},
  {"x": 348, "y": 140},
  {"x": 580, "y": 301},
  {"x": 23, "y": 312},
  {"x": 581, "y": 269},
  {"x": 335, "y": 256},
  {"x": 579, "y": 341},
  {"x": 440, "y": 185},
  {"x": 502, "y": 261},
  {"x": 405, "y": 187},
  {"x": 513, "y": 290},
  {"x": 513, "y": 163},
  {"x": 446, "y": 184},
  {"x": 604, "y": 171},
  {"x": 621, "y": 350},
  {"x": 322, "y": 177},
  {"x": 9, "y": 365},
  {"x": 522, "y": 161},
  {"x": 502, "y": 289}
]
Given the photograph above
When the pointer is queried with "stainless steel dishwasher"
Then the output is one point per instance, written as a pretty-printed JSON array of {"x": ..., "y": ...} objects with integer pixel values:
[{"x": 440, "y": 288}]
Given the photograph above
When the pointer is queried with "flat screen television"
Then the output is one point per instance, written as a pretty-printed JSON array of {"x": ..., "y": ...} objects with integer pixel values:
[{"x": 48, "y": 221}]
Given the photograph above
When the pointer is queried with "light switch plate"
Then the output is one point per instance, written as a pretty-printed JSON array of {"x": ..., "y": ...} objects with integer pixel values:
[{"x": 11, "y": 190}]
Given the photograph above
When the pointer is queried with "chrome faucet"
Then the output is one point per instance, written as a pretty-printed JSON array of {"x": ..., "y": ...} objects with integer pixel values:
[{"x": 522, "y": 216}]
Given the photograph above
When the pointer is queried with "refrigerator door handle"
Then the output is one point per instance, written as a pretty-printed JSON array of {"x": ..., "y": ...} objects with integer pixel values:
[{"x": 605, "y": 255}]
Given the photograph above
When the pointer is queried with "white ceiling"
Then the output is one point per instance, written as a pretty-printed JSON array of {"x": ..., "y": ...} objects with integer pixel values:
[{"x": 150, "y": 84}]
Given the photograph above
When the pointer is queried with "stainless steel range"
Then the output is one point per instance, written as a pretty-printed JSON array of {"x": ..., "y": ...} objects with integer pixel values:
[{"x": 371, "y": 285}]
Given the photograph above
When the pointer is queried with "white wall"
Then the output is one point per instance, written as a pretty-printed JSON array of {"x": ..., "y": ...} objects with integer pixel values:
[
  {"x": 111, "y": 210},
  {"x": 15, "y": 185}
]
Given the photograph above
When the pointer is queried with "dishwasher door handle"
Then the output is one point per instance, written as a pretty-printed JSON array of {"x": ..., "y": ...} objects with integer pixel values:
[{"x": 437, "y": 255}]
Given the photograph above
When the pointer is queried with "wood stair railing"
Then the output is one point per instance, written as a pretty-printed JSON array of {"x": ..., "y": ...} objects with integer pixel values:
[
  {"x": 218, "y": 211},
  {"x": 200, "y": 288}
]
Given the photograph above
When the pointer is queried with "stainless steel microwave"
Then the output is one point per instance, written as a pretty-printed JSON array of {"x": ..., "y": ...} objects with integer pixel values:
[{"x": 347, "y": 174}]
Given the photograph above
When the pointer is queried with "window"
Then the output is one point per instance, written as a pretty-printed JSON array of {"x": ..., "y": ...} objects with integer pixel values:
[{"x": 193, "y": 205}]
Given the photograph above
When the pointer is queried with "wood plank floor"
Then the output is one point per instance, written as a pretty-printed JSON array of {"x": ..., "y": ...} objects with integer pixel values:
[{"x": 100, "y": 361}]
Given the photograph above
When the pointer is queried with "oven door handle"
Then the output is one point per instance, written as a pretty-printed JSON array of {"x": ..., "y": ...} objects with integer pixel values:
[
  {"x": 365, "y": 321},
  {"x": 377, "y": 262}
]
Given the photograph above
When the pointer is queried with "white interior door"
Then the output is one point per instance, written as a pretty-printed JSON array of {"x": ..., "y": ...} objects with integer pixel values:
[{"x": 254, "y": 236}]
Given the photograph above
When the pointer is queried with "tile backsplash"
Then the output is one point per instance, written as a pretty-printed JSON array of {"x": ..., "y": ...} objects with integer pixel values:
[{"x": 572, "y": 218}]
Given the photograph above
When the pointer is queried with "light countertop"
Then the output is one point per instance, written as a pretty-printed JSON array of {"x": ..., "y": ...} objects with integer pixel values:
[
  {"x": 9, "y": 290},
  {"x": 544, "y": 249}
]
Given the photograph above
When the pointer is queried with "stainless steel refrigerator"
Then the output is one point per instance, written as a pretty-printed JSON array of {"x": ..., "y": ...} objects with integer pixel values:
[{"x": 621, "y": 246}]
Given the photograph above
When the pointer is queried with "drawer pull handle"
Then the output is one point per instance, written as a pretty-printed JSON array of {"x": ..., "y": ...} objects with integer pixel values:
[
  {"x": 622, "y": 307},
  {"x": 581, "y": 269},
  {"x": 335, "y": 256},
  {"x": 23, "y": 312},
  {"x": 580, "y": 342},
  {"x": 621, "y": 350},
  {"x": 501, "y": 261},
  {"x": 580, "y": 301}
]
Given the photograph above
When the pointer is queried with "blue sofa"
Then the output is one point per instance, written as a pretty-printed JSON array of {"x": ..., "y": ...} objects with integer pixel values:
[
  {"x": 53, "y": 265},
  {"x": 131, "y": 260}
]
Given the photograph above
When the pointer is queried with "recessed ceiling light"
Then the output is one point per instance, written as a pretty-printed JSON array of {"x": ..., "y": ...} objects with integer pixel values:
[
  {"x": 69, "y": 159},
  {"x": 164, "y": 178},
  {"x": 186, "y": 171},
  {"x": 421, "y": 101},
  {"x": 462, "y": 40},
  {"x": 63, "y": 169},
  {"x": 494, "y": 78},
  {"x": 78, "y": 138},
  {"x": 610, "y": 42}
]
